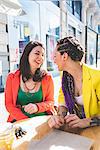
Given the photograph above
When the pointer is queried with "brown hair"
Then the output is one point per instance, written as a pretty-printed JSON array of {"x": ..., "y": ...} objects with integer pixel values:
[{"x": 24, "y": 66}]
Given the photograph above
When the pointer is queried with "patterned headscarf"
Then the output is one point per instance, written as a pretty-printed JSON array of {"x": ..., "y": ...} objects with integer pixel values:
[{"x": 68, "y": 89}]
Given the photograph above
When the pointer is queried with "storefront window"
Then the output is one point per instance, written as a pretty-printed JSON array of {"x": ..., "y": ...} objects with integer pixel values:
[
  {"x": 51, "y": 40},
  {"x": 91, "y": 47},
  {"x": 71, "y": 31}
]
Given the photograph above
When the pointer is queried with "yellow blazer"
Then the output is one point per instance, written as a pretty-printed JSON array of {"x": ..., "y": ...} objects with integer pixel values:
[{"x": 90, "y": 91}]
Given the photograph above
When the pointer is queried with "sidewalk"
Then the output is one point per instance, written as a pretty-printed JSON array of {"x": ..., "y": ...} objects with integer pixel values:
[{"x": 3, "y": 111}]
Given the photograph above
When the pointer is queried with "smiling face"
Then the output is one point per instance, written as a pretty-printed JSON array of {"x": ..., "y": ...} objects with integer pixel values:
[
  {"x": 58, "y": 59},
  {"x": 61, "y": 60},
  {"x": 36, "y": 58}
]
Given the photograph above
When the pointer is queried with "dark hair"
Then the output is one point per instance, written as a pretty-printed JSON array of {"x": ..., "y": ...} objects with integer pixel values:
[
  {"x": 24, "y": 66},
  {"x": 72, "y": 47}
]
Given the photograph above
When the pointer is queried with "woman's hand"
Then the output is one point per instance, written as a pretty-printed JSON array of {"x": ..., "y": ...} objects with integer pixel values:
[
  {"x": 74, "y": 121},
  {"x": 30, "y": 108},
  {"x": 56, "y": 121}
]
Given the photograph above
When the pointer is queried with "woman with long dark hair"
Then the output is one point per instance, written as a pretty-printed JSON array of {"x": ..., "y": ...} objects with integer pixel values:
[
  {"x": 28, "y": 91},
  {"x": 80, "y": 91}
]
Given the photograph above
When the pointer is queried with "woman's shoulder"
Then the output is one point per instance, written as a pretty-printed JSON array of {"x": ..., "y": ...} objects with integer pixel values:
[
  {"x": 14, "y": 73},
  {"x": 48, "y": 76},
  {"x": 93, "y": 72},
  {"x": 91, "y": 69}
]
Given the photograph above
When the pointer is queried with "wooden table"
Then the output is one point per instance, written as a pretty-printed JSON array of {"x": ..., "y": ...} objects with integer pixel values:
[
  {"x": 38, "y": 128},
  {"x": 93, "y": 133}
]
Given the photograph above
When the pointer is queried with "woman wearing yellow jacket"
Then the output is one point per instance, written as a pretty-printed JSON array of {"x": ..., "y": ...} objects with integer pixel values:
[{"x": 80, "y": 91}]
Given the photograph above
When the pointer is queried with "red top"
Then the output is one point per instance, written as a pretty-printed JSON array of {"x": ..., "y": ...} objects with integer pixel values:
[{"x": 11, "y": 92}]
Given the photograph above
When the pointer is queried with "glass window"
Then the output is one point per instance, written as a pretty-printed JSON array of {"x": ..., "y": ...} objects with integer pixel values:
[
  {"x": 77, "y": 9},
  {"x": 69, "y": 5},
  {"x": 56, "y": 3},
  {"x": 71, "y": 31},
  {"x": 69, "y": 2},
  {"x": 51, "y": 40},
  {"x": 50, "y": 45},
  {"x": 98, "y": 28},
  {"x": 91, "y": 47}
]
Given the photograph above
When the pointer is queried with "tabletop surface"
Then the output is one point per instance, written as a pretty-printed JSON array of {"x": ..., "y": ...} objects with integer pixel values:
[
  {"x": 37, "y": 128},
  {"x": 93, "y": 133}
]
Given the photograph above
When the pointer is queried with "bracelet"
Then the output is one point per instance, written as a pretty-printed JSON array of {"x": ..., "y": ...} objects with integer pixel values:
[
  {"x": 37, "y": 108},
  {"x": 95, "y": 122}
]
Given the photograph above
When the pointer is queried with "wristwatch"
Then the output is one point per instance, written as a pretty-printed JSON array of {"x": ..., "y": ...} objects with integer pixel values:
[{"x": 95, "y": 121}]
